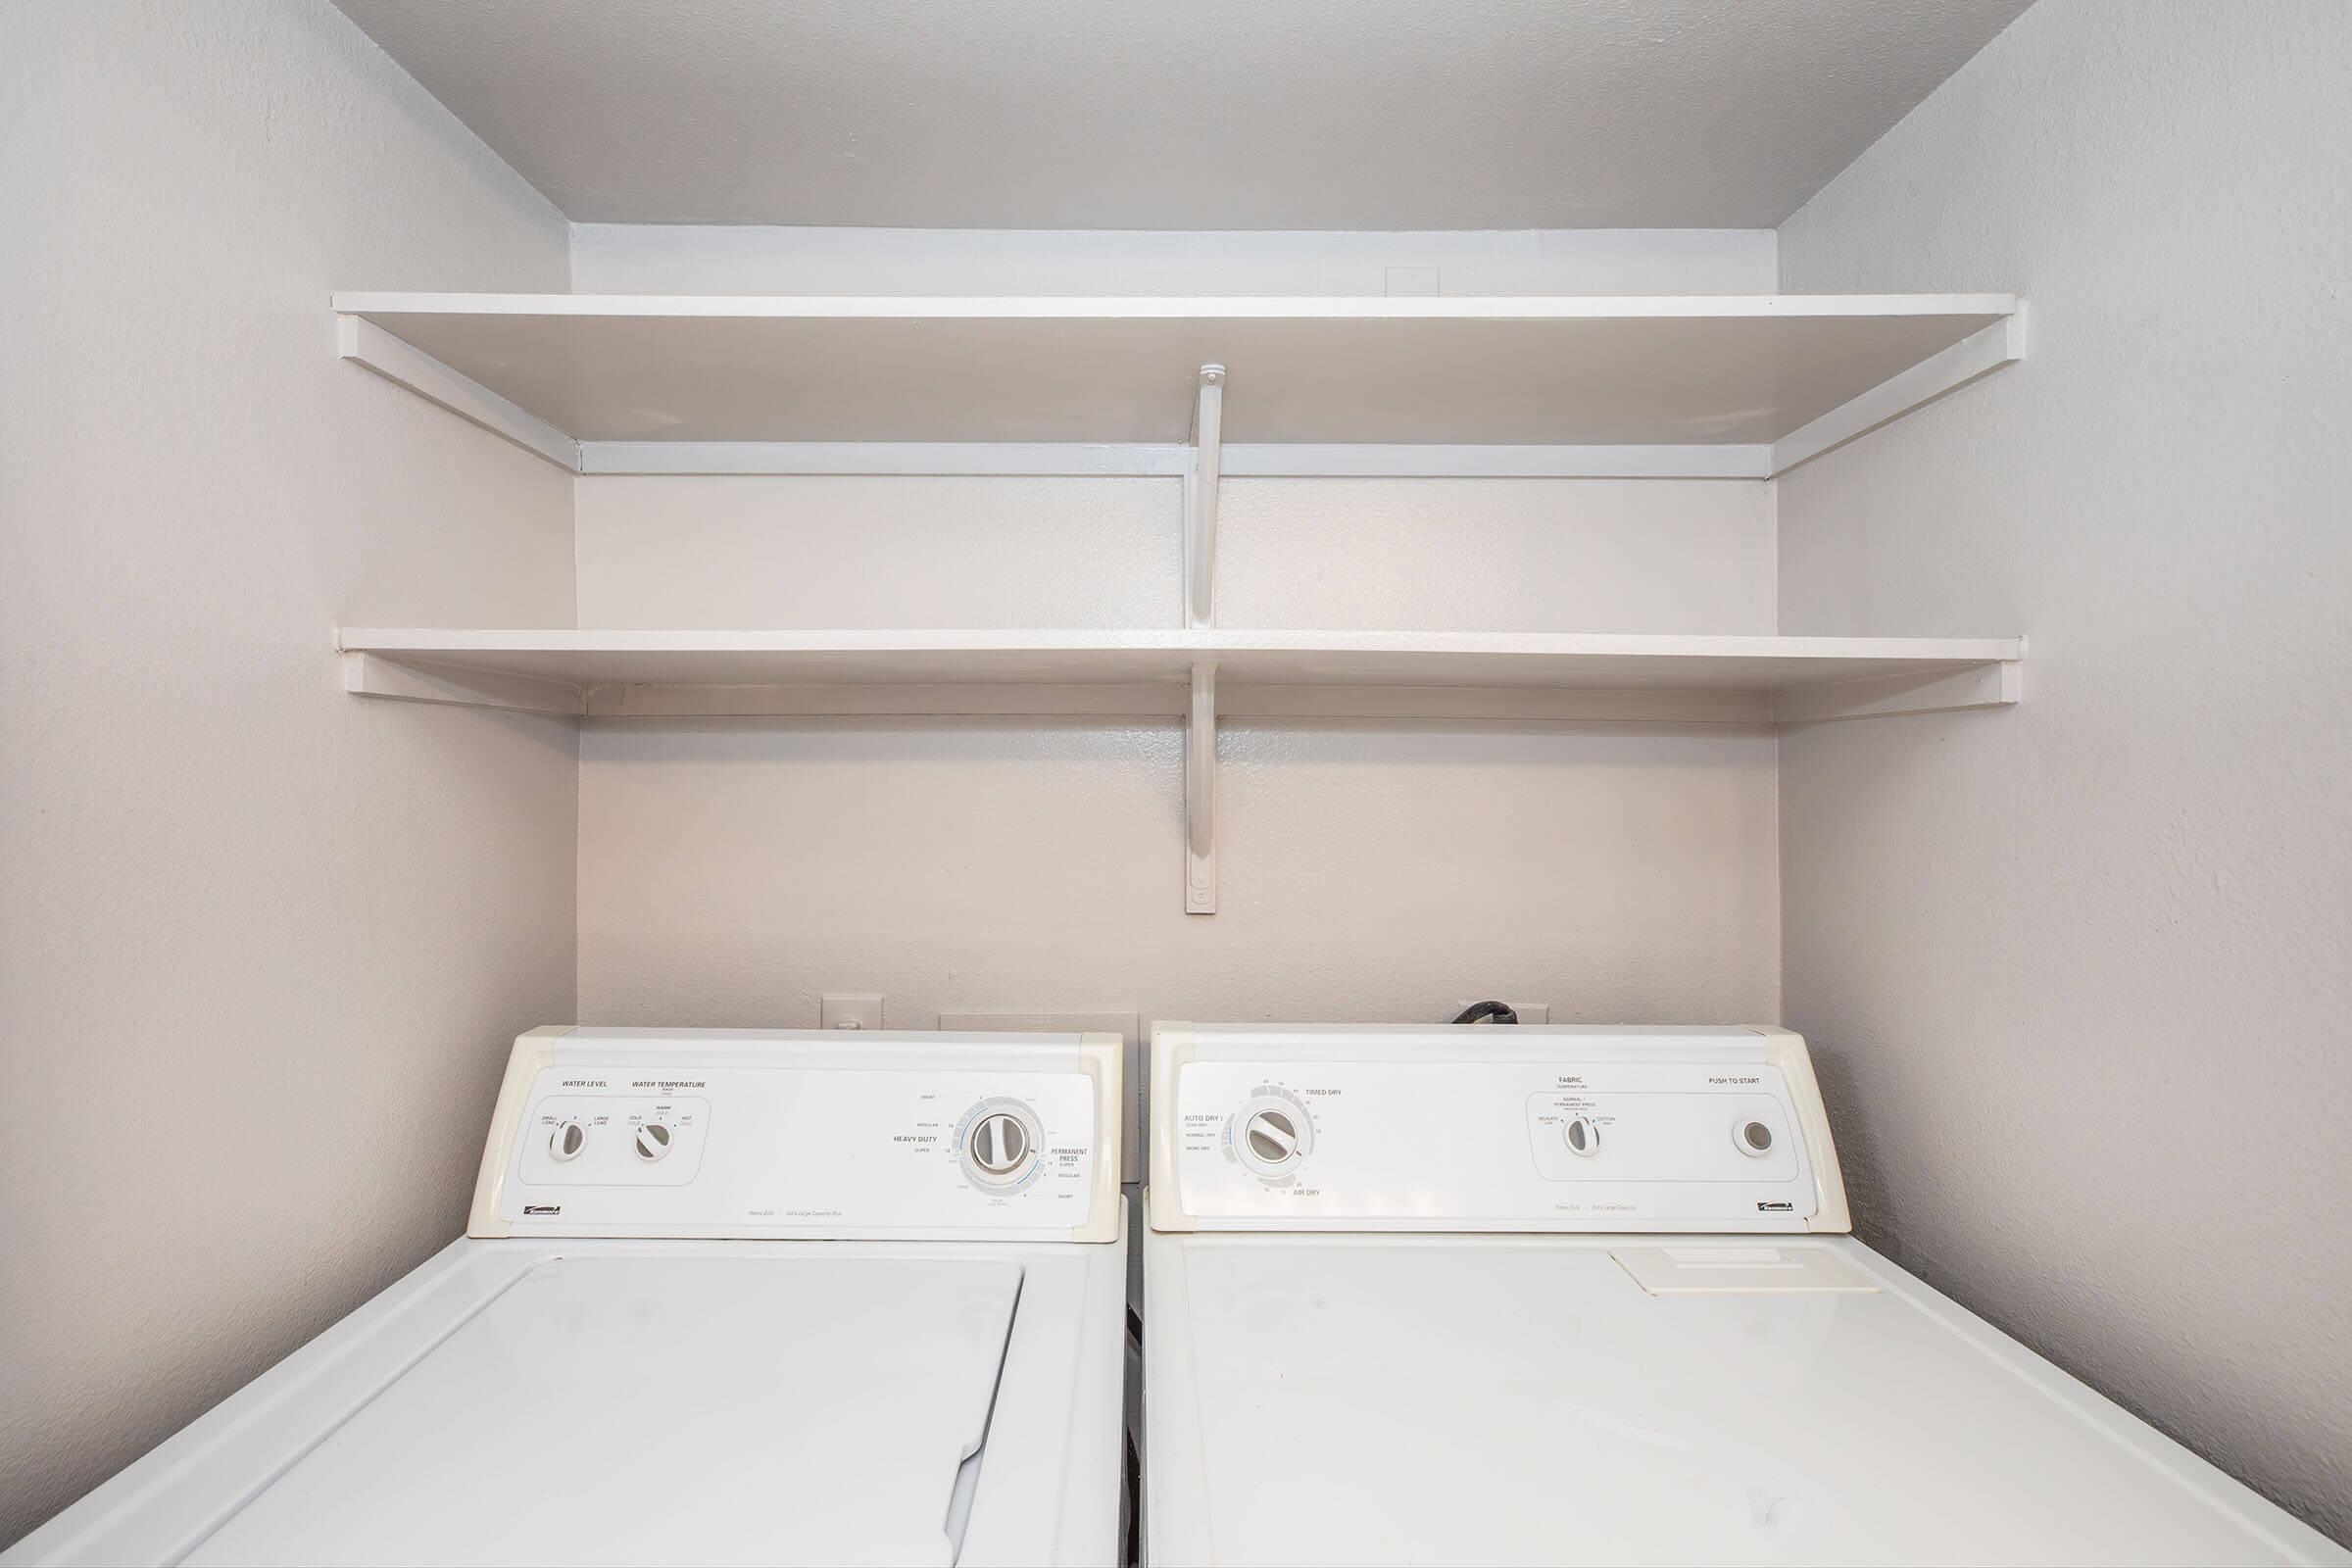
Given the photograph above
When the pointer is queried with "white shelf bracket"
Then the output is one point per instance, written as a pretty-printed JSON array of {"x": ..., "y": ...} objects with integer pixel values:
[
  {"x": 364, "y": 343},
  {"x": 1201, "y": 794},
  {"x": 1200, "y": 499},
  {"x": 368, "y": 674},
  {"x": 1994, "y": 685},
  {"x": 1939, "y": 375}
]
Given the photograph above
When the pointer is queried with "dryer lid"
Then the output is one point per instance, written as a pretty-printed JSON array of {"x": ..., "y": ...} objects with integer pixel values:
[
  {"x": 1447, "y": 1399},
  {"x": 620, "y": 1408}
]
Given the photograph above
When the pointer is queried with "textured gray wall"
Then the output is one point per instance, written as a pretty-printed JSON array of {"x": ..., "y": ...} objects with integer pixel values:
[
  {"x": 263, "y": 945},
  {"x": 2078, "y": 974}
]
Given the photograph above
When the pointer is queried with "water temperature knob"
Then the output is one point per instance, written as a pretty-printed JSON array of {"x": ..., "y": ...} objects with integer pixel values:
[{"x": 653, "y": 1141}]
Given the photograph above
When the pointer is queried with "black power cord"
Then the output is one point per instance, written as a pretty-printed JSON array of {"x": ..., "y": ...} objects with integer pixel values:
[{"x": 1500, "y": 1011}]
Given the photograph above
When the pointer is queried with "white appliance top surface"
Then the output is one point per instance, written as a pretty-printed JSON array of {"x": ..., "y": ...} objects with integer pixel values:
[
  {"x": 1378, "y": 1399},
  {"x": 680, "y": 1402},
  {"x": 647, "y": 1409}
]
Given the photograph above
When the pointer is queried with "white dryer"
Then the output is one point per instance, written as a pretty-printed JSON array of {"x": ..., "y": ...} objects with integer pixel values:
[
  {"x": 1583, "y": 1296},
  {"x": 726, "y": 1297}
]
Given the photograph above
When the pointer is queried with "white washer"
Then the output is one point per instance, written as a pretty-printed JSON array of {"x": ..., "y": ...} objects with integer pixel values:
[
  {"x": 1583, "y": 1296},
  {"x": 726, "y": 1297}
]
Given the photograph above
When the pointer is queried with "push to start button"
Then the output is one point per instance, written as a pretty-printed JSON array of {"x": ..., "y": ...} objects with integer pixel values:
[{"x": 1752, "y": 1136}]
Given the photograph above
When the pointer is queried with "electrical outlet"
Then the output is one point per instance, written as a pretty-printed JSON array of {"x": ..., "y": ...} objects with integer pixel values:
[
  {"x": 850, "y": 1012},
  {"x": 1128, "y": 1026},
  {"x": 1528, "y": 1011}
]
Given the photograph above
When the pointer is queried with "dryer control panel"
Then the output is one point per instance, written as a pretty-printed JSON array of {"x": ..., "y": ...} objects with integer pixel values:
[
  {"x": 1494, "y": 1129},
  {"x": 745, "y": 1133}
]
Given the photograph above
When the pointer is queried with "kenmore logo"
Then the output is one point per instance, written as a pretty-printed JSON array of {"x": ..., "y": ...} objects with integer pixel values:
[
  {"x": 1765, "y": 1208},
  {"x": 530, "y": 1209}
]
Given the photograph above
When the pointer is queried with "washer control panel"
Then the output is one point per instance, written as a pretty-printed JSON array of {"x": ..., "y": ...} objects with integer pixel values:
[
  {"x": 732, "y": 1133},
  {"x": 1488, "y": 1129}
]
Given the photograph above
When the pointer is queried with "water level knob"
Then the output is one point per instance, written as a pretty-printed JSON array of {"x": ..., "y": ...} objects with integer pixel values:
[{"x": 568, "y": 1141}]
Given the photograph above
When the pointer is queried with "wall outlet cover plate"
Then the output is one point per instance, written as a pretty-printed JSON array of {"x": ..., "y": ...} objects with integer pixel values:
[{"x": 850, "y": 1012}]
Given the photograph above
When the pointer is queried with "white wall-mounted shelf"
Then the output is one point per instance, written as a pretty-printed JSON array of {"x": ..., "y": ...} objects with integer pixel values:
[
  {"x": 1757, "y": 680},
  {"x": 1202, "y": 675},
  {"x": 1669, "y": 385},
  {"x": 1198, "y": 390}
]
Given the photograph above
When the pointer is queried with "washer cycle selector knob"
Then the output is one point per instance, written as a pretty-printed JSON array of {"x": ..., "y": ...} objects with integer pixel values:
[
  {"x": 1581, "y": 1137},
  {"x": 566, "y": 1142},
  {"x": 999, "y": 1144},
  {"x": 653, "y": 1141}
]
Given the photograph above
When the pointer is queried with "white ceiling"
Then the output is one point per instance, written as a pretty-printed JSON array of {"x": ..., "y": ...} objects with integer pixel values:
[{"x": 1182, "y": 113}]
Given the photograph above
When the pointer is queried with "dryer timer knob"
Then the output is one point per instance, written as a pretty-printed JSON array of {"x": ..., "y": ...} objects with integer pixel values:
[{"x": 1272, "y": 1136}]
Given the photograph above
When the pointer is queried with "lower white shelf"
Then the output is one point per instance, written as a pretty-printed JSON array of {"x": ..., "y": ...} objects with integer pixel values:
[
  {"x": 1199, "y": 675},
  {"x": 1301, "y": 674}
]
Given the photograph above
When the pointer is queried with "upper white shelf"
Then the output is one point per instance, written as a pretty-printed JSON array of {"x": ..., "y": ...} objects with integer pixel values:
[
  {"x": 1712, "y": 372},
  {"x": 1759, "y": 680}
]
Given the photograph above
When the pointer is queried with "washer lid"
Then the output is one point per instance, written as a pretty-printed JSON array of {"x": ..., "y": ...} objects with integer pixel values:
[{"x": 608, "y": 1409}]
